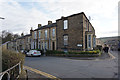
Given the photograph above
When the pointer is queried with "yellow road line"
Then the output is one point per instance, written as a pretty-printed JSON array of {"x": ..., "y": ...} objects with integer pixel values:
[{"x": 42, "y": 73}]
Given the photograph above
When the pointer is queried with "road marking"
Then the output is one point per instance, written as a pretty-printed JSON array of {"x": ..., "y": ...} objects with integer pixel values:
[
  {"x": 113, "y": 57},
  {"x": 42, "y": 73}
]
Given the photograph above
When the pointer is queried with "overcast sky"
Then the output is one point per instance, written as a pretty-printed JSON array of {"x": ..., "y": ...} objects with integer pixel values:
[{"x": 21, "y": 15}]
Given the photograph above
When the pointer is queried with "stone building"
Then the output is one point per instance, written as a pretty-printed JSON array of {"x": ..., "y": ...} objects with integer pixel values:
[
  {"x": 27, "y": 42},
  {"x": 45, "y": 36},
  {"x": 75, "y": 33},
  {"x": 20, "y": 43},
  {"x": 5, "y": 45},
  {"x": 99, "y": 42},
  {"x": 71, "y": 33}
]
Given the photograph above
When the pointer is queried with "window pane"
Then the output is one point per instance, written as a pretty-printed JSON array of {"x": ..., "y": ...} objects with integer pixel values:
[
  {"x": 35, "y": 34},
  {"x": 45, "y": 33},
  {"x": 45, "y": 45},
  {"x": 66, "y": 40},
  {"x": 65, "y": 24},
  {"x": 53, "y": 32},
  {"x": 89, "y": 39}
]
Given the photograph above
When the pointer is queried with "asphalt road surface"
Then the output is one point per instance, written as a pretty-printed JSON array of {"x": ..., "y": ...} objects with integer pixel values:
[{"x": 71, "y": 68}]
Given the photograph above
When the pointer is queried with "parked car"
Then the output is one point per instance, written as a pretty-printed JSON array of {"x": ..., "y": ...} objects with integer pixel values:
[{"x": 33, "y": 53}]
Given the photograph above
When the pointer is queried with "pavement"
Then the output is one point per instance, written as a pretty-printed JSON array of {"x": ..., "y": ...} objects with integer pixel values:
[
  {"x": 87, "y": 67},
  {"x": 35, "y": 76}
]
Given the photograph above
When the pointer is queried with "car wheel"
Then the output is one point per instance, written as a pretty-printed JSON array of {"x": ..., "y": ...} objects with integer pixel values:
[{"x": 32, "y": 55}]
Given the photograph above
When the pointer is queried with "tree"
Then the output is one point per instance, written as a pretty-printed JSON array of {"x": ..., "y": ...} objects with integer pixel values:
[{"x": 8, "y": 36}]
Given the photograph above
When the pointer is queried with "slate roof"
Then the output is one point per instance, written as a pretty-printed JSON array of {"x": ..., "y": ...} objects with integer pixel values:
[
  {"x": 72, "y": 15},
  {"x": 47, "y": 26}
]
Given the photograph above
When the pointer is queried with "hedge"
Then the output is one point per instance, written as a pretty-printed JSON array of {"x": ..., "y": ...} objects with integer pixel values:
[
  {"x": 11, "y": 58},
  {"x": 74, "y": 54},
  {"x": 54, "y": 52},
  {"x": 85, "y": 52}
]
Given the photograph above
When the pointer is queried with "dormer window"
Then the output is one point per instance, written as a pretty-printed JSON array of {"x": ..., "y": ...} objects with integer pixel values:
[{"x": 65, "y": 24}]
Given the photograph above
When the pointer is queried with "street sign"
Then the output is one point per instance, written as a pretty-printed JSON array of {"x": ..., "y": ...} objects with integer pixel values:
[{"x": 79, "y": 45}]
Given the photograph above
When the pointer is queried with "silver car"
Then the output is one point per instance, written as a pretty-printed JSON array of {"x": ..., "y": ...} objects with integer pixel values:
[{"x": 33, "y": 53}]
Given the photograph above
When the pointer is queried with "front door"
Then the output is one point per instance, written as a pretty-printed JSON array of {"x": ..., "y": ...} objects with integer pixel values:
[{"x": 53, "y": 45}]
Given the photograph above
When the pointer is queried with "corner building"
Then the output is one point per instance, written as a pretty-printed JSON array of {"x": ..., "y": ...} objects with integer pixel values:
[{"x": 75, "y": 33}]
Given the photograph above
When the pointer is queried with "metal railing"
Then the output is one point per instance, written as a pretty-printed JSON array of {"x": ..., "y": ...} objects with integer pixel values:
[{"x": 11, "y": 73}]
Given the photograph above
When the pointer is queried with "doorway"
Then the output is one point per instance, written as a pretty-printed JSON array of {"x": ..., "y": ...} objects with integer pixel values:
[{"x": 53, "y": 45}]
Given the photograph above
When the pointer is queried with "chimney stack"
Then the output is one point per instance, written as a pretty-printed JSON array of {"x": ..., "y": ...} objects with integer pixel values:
[
  {"x": 22, "y": 34},
  {"x": 31, "y": 30},
  {"x": 49, "y": 22},
  {"x": 62, "y": 17},
  {"x": 39, "y": 25}
]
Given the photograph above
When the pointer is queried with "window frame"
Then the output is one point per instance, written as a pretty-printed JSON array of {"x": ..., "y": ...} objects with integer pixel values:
[
  {"x": 39, "y": 33},
  {"x": 86, "y": 26},
  {"x": 53, "y": 32},
  {"x": 65, "y": 41},
  {"x": 46, "y": 34},
  {"x": 35, "y": 35},
  {"x": 65, "y": 24},
  {"x": 45, "y": 45},
  {"x": 89, "y": 41}
]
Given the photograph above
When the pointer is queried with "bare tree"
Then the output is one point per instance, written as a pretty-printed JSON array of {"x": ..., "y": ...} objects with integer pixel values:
[{"x": 8, "y": 36}]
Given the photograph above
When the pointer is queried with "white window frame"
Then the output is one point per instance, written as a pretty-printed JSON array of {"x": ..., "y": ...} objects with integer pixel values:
[
  {"x": 53, "y": 32},
  {"x": 46, "y": 34},
  {"x": 65, "y": 24},
  {"x": 35, "y": 34},
  {"x": 89, "y": 41},
  {"x": 65, "y": 40},
  {"x": 45, "y": 45},
  {"x": 39, "y": 33}
]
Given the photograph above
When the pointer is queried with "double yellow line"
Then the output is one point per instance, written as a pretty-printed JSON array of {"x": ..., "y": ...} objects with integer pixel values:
[{"x": 42, "y": 73}]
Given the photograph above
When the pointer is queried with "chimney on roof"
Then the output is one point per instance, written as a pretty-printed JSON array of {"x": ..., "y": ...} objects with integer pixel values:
[
  {"x": 39, "y": 25},
  {"x": 22, "y": 34},
  {"x": 62, "y": 17},
  {"x": 31, "y": 30},
  {"x": 49, "y": 22}
]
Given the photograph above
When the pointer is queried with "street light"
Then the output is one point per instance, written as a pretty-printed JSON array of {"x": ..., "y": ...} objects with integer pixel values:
[{"x": 2, "y": 18}]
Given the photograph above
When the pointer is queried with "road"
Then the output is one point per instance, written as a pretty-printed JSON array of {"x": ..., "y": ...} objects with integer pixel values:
[{"x": 70, "y": 68}]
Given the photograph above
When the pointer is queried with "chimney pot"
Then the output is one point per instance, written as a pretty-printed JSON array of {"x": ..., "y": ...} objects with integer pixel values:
[
  {"x": 49, "y": 22},
  {"x": 31, "y": 30},
  {"x": 22, "y": 34},
  {"x": 39, "y": 25}
]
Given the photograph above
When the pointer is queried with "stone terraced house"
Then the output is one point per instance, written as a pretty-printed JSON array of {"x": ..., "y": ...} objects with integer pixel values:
[
  {"x": 75, "y": 33},
  {"x": 71, "y": 33},
  {"x": 45, "y": 37}
]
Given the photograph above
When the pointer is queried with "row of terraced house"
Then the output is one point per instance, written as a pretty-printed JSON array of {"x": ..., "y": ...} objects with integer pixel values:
[{"x": 71, "y": 33}]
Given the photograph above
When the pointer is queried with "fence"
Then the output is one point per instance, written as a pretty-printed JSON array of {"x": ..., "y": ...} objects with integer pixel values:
[{"x": 12, "y": 73}]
